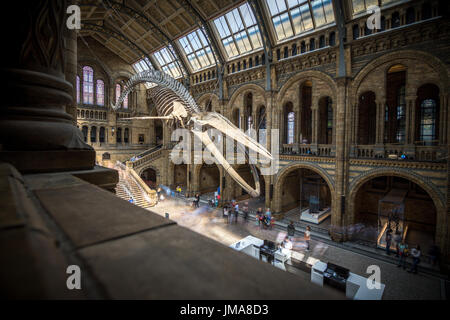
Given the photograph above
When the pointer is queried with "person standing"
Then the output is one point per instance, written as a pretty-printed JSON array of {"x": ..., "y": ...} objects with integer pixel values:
[
  {"x": 291, "y": 230},
  {"x": 197, "y": 200},
  {"x": 225, "y": 213},
  {"x": 236, "y": 212},
  {"x": 308, "y": 237},
  {"x": 402, "y": 252},
  {"x": 388, "y": 241},
  {"x": 415, "y": 253},
  {"x": 245, "y": 212},
  {"x": 259, "y": 216}
]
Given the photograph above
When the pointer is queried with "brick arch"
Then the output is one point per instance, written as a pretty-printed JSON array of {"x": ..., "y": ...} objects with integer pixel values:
[
  {"x": 436, "y": 196},
  {"x": 310, "y": 75},
  {"x": 149, "y": 166},
  {"x": 400, "y": 57},
  {"x": 281, "y": 175},
  {"x": 84, "y": 60},
  {"x": 205, "y": 97},
  {"x": 242, "y": 89},
  {"x": 196, "y": 173},
  {"x": 423, "y": 182}
]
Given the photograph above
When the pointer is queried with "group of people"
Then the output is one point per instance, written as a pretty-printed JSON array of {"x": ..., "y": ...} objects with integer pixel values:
[
  {"x": 231, "y": 212},
  {"x": 264, "y": 219},
  {"x": 403, "y": 252}
]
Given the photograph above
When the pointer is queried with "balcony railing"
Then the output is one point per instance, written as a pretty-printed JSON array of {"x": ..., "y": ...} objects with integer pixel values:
[
  {"x": 400, "y": 151},
  {"x": 317, "y": 150}
]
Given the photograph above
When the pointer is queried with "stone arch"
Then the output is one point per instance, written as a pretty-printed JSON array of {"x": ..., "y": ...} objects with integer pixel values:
[
  {"x": 402, "y": 57},
  {"x": 250, "y": 87},
  {"x": 82, "y": 60},
  {"x": 214, "y": 98},
  {"x": 423, "y": 182},
  {"x": 310, "y": 75},
  {"x": 150, "y": 166},
  {"x": 197, "y": 171},
  {"x": 279, "y": 179}
]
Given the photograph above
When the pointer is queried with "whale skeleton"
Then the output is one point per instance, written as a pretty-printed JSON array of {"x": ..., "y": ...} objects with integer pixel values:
[{"x": 174, "y": 104}]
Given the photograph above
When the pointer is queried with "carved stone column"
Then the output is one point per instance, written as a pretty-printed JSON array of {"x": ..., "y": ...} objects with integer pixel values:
[{"x": 36, "y": 132}]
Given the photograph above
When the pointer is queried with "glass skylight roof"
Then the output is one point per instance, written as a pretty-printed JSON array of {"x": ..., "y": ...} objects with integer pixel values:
[
  {"x": 142, "y": 65},
  {"x": 292, "y": 17},
  {"x": 197, "y": 50},
  {"x": 167, "y": 62},
  {"x": 239, "y": 31}
]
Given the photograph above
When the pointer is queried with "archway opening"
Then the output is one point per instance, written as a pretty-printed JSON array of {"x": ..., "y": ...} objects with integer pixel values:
[
  {"x": 395, "y": 203},
  {"x": 367, "y": 111},
  {"x": 158, "y": 134},
  {"x": 306, "y": 197},
  {"x": 209, "y": 180},
  {"x": 395, "y": 109},
  {"x": 325, "y": 121},
  {"x": 180, "y": 176},
  {"x": 149, "y": 177},
  {"x": 306, "y": 112}
]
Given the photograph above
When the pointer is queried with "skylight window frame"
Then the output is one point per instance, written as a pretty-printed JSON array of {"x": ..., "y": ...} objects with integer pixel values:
[
  {"x": 288, "y": 10},
  {"x": 168, "y": 66},
  {"x": 198, "y": 34},
  {"x": 229, "y": 34}
]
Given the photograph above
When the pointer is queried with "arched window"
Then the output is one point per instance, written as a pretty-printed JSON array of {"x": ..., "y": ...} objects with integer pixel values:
[
  {"x": 78, "y": 89},
  {"x": 100, "y": 93},
  {"x": 306, "y": 112},
  {"x": 125, "y": 102},
  {"x": 312, "y": 44},
  {"x": 101, "y": 136},
  {"x": 355, "y": 31},
  {"x": 367, "y": 111},
  {"x": 303, "y": 47},
  {"x": 248, "y": 111},
  {"x": 119, "y": 135},
  {"x": 93, "y": 134},
  {"x": 322, "y": 41},
  {"x": 325, "y": 121},
  {"x": 84, "y": 130},
  {"x": 88, "y": 85},
  {"x": 289, "y": 123},
  {"x": 261, "y": 125},
  {"x": 126, "y": 135},
  {"x": 395, "y": 112},
  {"x": 290, "y": 127},
  {"x": 395, "y": 20},
  {"x": 332, "y": 39},
  {"x": 426, "y": 11},
  {"x": 427, "y": 114},
  {"x": 118, "y": 91},
  {"x": 82, "y": 114}
]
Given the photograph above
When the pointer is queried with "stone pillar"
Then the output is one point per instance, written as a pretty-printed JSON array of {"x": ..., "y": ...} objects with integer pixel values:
[
  {"x": 36, "y": 132},
  {"x": 337, "y": 228},
  {"x": 71, "y": 70},
  {"x": 267, "y": 189},
  {"x": 269, "y": 107}
]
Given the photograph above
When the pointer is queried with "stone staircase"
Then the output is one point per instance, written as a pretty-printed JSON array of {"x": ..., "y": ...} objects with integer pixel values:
[{"x": 129, "y": 190}]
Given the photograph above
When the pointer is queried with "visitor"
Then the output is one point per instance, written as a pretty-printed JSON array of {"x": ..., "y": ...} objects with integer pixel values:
[
  {"x": 415, "y": 253},
  {"x": 245, "y": 212},
  {"x": 266, "y": 221},
  {"x": 236, "y": 212},
  {"x": 397, "y": 239},
  {"x": 225, "y": 213},
  {"x": 268, "y": 213},
  {"x": 308, "y": 237},
  {"x": 291, "y": 230},
  {"x": 402, "y": 252},
  {"x": 388, "y": 241},
  {"x": 197, "y": 200},
  {"x": 259, "y": 216},
  {"x": 433, "y": 253}
]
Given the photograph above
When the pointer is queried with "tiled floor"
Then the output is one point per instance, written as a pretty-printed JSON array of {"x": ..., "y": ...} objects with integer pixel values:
[{"x": 399, "y": 283}]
